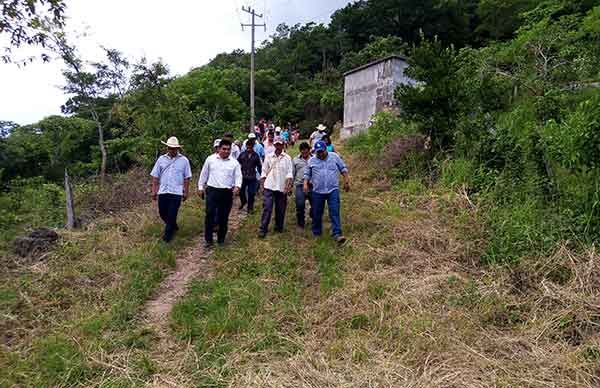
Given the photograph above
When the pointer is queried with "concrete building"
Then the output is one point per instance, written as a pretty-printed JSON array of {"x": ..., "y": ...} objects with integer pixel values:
[{"x": 369, "y": 89}]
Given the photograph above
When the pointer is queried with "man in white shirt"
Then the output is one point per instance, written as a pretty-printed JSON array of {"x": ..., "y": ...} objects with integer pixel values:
[
  {"x": 276, "y": 180},
  {"x": 269, "y": 145},
  {"x": 220, "y": 180},
  {"x": 318, "y": 134},
  {"x": 235, "y": 149},
  {"x": 170, "y": 185}
]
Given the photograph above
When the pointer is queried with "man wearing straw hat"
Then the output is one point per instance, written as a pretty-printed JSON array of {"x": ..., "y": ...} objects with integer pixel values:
[
  {"x": 170, "y": 185},
  {"x": 318, "y": 134}
]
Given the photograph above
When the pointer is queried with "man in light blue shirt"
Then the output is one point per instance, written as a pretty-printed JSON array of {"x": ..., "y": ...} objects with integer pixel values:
[
  {"x": 323, "y": 171},
  {"x": 170, "y": 185}
]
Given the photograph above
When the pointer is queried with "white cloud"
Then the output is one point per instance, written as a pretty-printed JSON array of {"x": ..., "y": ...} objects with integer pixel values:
[{"x": 184, "y": 33}]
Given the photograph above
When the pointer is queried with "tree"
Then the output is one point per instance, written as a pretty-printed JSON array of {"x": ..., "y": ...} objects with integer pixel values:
[
  {"x": 25, "y": 22},
  {"x": 6, "y": 127},
  {"x": 94, "y": 91}
]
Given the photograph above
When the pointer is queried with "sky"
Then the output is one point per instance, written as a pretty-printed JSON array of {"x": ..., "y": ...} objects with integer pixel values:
[{"x": 183, "y": 33}]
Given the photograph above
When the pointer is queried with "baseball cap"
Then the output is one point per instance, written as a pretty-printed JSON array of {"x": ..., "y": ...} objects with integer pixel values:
[
  {"x": 278, "y": 139},
  {"x": 320, "y": 146},
  {"x": 251, "y": 136},
  {"x": 217, "y": 143}
]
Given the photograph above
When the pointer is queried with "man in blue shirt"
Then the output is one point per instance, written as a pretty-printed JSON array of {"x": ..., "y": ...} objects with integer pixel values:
[
  {"x": 323, "y": 171},
  {"x": 170, "y": 185}
]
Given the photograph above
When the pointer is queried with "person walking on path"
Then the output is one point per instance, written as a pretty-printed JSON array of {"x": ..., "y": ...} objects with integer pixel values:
[
  {"x": 322, "y": 172},
  {"x": 299, "y": 164},
  {"x": 276, "y": 180},
  {"x": 258, "y": 148},
  {"x": 251, "y": 165},
  {"x": 170, "y": 185},
  {"x": 269, "y": 144},
  {"x": 318, "y": 134},
  {"x": 220, "y": 180}
]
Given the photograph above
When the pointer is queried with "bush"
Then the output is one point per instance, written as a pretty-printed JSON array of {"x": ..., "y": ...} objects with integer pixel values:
[{"x": 386, "y": 127}]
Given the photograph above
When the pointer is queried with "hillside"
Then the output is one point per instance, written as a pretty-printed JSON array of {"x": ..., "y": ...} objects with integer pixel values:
[{"x": 405, "y": 303}]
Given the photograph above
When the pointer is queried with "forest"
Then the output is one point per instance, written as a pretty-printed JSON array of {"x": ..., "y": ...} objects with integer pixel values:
[{"x": 508, "y": 94}]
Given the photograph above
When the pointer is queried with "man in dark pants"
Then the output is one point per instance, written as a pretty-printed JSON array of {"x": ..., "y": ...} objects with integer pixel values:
[
  {"x": 250, "y": 164},
  {"x": 276, "y": 181},
  {"x": 220, "y": 180},
  {"x": 170, "y": 185},
  {"x": 299, "y": 163},
  {"x": 323, "y": 171}
]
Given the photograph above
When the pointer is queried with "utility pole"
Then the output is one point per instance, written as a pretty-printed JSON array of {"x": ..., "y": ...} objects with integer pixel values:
[{"x": 253, "y": 26}]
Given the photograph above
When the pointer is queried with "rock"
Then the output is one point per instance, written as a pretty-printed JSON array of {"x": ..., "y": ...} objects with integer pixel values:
[{"x": 37, "y": 242}]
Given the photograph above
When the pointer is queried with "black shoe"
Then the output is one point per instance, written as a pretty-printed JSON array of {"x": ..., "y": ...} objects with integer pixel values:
[
  {"x": 208, "y": 245},
  {"x": 262, "y": 234},
  {"x": 221, "y": 243},
  {"x": 176, "y": 227},
  {"x": 278, "y": 230},
  {"x": 241, "y": 207}
]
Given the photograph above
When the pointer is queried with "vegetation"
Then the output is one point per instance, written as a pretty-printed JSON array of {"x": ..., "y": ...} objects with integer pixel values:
[{"x": 471, "y": 260}]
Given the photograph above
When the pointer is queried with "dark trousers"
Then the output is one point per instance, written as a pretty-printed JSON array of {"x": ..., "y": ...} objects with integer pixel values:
[
  {"x": 218, "y": 206},
  {"x": 333, "y": 203},
  {"x": 301, "y": 198},
  {"x": 272, "y": 199},
  {"x": 168, "y": 207},
  {"x": 248, "y": 193}
]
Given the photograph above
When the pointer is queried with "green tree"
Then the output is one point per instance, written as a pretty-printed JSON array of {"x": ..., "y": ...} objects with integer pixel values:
[{"x": 26, "y": 22}]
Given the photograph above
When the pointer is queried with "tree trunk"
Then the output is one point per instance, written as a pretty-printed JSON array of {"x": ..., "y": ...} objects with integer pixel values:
[
  {"x": 103, "y": 152},
  {"x": 69, "y": 201}
]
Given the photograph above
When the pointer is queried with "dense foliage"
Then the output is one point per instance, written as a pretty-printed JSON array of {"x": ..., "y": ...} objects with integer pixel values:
[
  {"x": 507, "y": 93},
  {"x": 517, "y": 122}
]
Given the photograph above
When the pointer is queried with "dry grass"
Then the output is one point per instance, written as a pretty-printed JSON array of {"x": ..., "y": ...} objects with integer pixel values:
[{"x": 417, "y": 310}]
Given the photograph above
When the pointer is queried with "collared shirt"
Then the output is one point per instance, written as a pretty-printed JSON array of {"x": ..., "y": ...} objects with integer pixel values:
[
  {"x": 258, "y": 148},
  {"x": 324, "y": 174},
  {"x": 172, "y": 173},
  {"x": 250, "y": 163},
  {"x": 276, "y": 170},
  {"x": 220, "y": 173},
  {"x": 315, "y": 137},
  {"x": 235, "y": 151},
  {"x": 299, "y": 163},
  {"x": 269, "y": 148}
]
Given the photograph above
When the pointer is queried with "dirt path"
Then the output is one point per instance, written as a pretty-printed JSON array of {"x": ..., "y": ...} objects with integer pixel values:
[{"x": 193, "y": 263}]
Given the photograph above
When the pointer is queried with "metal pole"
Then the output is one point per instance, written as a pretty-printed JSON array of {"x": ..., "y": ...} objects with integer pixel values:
[
  {"x": 252, "y": 114},
  {"x": 252, "y": 61}
]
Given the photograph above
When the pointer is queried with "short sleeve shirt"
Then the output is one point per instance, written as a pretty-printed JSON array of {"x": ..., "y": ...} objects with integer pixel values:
[
  {"x": 325, "y": 174},
  {"x": 171, "y": 172}
]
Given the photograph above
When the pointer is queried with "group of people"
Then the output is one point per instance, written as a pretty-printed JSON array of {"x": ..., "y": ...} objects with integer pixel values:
[{"x": 258, "y": 166}]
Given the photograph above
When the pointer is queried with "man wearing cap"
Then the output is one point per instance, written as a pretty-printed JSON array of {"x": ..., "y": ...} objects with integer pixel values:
[
  {"x": 251, "y": 166},
  {"x": 235, "y": 149},
  {"x": 276, "y": 180},
  {"x": 318, "y": 134},
  {"x": 170, "y": 185},
  {"x": 322, "y": 172},
  {"x": 220, "y": 180},
  {"x": 258, "y": 148}
]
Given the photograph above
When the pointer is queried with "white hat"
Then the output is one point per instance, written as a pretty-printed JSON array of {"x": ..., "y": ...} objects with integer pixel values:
[
  {"x": 278, "y": 139},
  {"x": 217, "y": 143},
  {"x": 278, "y": 129},
  {"x": 251, "y": 136},
  {"x": 321, "y": 127},
  {"x": 172, "y": 142}
]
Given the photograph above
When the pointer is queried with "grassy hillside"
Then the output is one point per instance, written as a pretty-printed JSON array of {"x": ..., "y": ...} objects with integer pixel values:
[{"x": 405, "y": 303}]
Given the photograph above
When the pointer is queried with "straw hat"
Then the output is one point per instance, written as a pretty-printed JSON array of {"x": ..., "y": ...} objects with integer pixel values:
[
  {"x": 321, "y": 128},
  {"x": 172, "y": 142}
]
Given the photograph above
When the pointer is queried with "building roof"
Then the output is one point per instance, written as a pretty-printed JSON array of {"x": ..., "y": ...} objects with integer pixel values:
[{"x": 394, "y": 56}]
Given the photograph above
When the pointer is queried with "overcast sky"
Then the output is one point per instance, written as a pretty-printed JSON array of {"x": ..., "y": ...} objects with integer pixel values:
[{"x": 184, "y": 33}]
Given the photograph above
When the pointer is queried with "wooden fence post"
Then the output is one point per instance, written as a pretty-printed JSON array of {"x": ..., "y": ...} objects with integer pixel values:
[{"x": 70, "y": 205}]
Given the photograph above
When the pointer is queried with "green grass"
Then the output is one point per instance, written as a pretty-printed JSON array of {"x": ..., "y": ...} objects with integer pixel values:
[{"x": 87, "y": 303}]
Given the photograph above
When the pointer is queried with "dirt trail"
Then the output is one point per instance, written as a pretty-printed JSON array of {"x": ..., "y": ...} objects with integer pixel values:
[{"x": 193, "y": 263}]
